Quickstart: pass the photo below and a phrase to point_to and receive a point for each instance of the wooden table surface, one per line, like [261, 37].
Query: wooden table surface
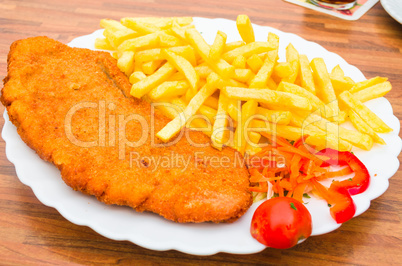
[31, 233]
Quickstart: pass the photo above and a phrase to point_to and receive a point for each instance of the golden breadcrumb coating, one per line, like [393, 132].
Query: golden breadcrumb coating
[73, 107]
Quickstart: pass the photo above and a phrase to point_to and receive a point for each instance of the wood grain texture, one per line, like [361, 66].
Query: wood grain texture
[32, 234]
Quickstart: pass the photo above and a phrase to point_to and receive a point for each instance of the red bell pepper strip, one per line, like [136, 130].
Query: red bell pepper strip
[338, 195]
[333, 157]
[342, 207]
[360, 181]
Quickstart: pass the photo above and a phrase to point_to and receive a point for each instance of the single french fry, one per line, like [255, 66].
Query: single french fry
[168, 89]
[174, 126]
[178, 31]
[148, 41]
[202, 48]
[239, 62]
[340, 118]
[268, 96]
[103, 44]
[271, 84]
[339, 81]
[218, 45]
[252, 143]
[292, 57]
[220, 132]
[166, 40]
[247, 50]
[232, 45]
[367, 83]
[331, 138]
[324, 89]
[316, 103]
[177, 77]
[254, 62]
[112, 25]
[148, 55]
[212, 102]
[364, 113]
[326, 141]
[175, 106]
[183, 21]
[208, 113]
[201, 125]
[245, 28]
[315, 138]
[262, 56]
[171, 109]
[337, 71]
[142, 27]
[187, 52]
[144, 86]
[184, 67]
[235, 83]
[358, 139]
[151, 66]
[252, 150]
[341, 84]
[363, 127]
[306, 76]
[264, 73]
[126, 62]
[190, 94]
[283, 70]
[247, 110]
[276, 117]
[243, 75]
[375, 91]
[156, 54]
[234, 109]
[136, 76]
[115, 38]
[214, 80]
[160, 22]
[272, 130]
[203, 71]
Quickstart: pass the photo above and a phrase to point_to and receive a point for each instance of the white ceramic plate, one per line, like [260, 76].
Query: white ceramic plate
[153, 232]
[393, 8]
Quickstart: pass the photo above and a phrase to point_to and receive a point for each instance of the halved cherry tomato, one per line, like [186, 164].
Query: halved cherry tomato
[281, 222]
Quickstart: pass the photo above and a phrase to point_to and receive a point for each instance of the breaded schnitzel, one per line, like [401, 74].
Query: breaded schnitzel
[73, 107]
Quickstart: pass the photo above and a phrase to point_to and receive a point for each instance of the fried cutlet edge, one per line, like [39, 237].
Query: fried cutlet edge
[119, 77]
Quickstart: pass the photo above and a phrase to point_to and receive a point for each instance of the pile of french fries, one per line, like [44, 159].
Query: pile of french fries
[239, 92]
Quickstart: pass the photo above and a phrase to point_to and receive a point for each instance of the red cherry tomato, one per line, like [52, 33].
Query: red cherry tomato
[281, 222]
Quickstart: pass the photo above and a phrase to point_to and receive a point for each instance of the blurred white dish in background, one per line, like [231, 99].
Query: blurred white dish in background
[393, 8]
